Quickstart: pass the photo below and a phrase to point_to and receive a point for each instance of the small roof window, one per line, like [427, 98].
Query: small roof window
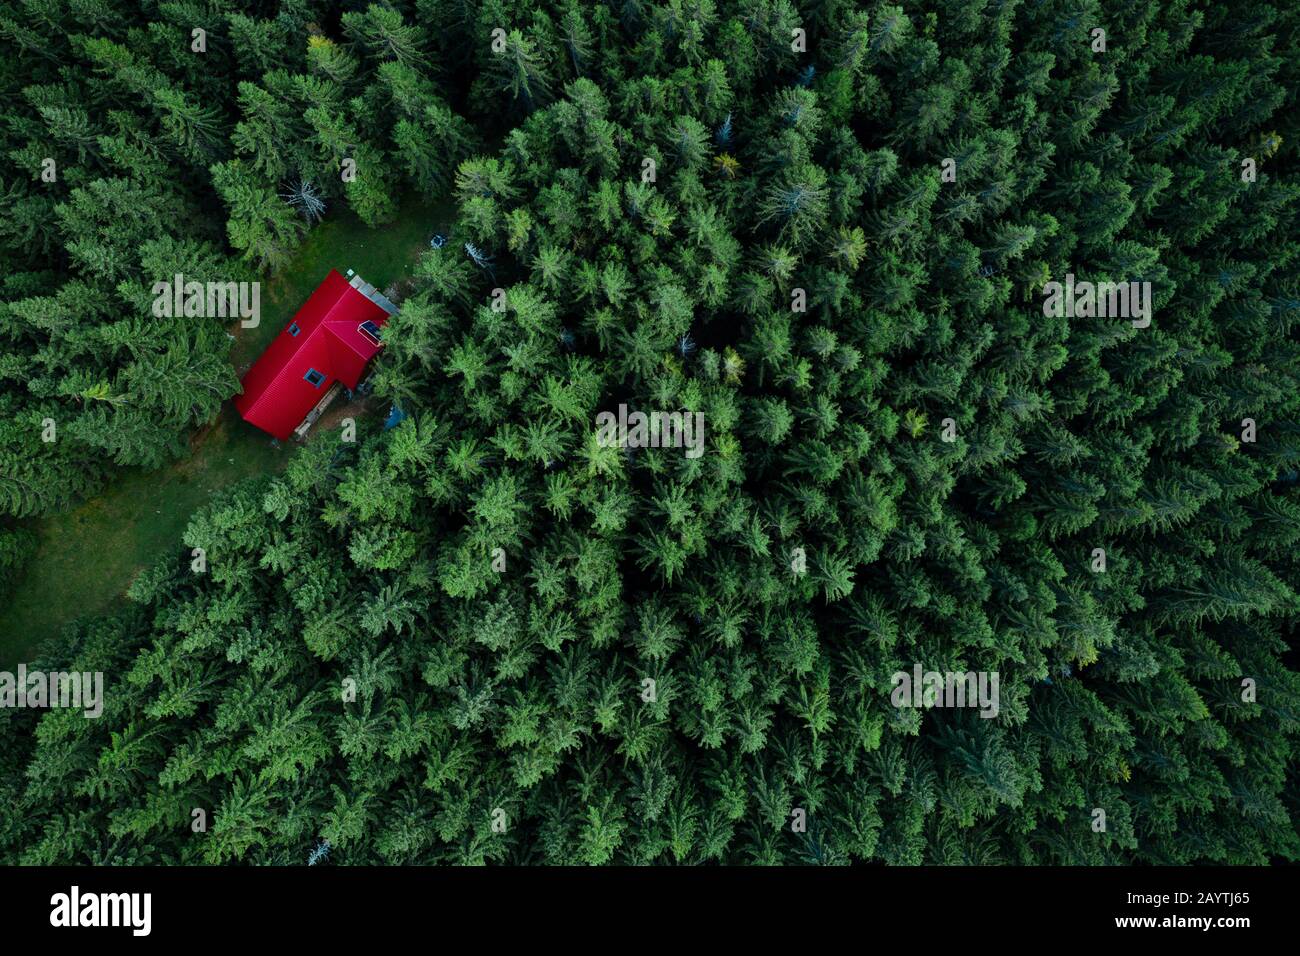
[293, 329]
[314, 377]
[370, 331]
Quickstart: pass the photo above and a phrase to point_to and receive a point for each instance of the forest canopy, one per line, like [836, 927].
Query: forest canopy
[825, 230]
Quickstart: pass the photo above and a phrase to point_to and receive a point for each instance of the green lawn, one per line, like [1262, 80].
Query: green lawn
[87, 557]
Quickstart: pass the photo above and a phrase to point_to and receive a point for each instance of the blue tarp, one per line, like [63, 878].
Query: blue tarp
[394, 417]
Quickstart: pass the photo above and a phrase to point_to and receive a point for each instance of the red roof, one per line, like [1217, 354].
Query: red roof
[277, 395]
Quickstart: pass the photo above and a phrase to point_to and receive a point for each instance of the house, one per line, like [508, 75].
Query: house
[330, 341]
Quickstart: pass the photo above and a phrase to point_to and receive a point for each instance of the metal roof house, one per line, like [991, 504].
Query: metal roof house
[330, 341]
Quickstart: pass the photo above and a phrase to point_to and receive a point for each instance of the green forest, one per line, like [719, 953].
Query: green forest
[826, 234]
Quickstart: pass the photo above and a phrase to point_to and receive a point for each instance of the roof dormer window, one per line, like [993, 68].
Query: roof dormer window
[370, 331]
